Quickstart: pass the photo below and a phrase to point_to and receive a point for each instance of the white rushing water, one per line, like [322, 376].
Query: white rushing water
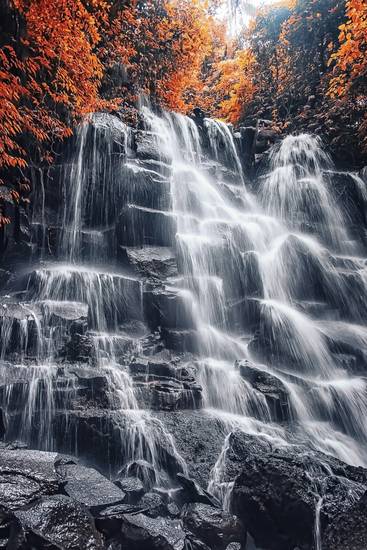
[290, 231]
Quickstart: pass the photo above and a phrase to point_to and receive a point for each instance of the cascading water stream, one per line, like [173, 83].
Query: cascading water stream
[286, 234]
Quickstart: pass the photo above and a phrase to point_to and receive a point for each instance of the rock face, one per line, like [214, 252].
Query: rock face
[186, 338]
[56, 520]
[276, 494]
[49, 500]
[215, 527]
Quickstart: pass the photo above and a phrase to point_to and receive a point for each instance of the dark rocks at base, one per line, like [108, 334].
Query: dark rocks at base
[348, 530]
[145, 533]
[142, 470]
[110, 519]
[199, 439]
[153, 505]
[26, 475]
[274, 391]
[132, 487]
[88, 486]
[217, 528]
[49, 501]
[277, 490]
[108, 433]
[54, 520]
[192, 492]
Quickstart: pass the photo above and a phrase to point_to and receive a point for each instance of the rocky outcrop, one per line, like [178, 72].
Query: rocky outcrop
[50, 500]
[277, 491]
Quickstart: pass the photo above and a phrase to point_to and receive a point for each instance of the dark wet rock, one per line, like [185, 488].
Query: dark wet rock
[344, 342]
[180, 340]
[215, 527]
[145, 187]
[55, 520]
[80, 348]
[193, 543]
[156, 262]
[247, 145]
[108, 433]
[153, 505]
[199, 439]
[192, 492]
[276, 492]
[168, 308]
[137, 226]
[164, 385]
[132, 487]
[110, 519]
[145, 533]
[274, 391]
[348, 190]
[109, 127]
[26, 475]
[173, 510]
[234, 546]
[16, 320]
[61, 312]
[88, 486]
[142, 470]
[348, 529]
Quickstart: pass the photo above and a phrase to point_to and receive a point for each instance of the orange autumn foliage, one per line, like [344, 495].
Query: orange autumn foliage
[49, 77]
[162, 45]
[351, 58]
[235, 85]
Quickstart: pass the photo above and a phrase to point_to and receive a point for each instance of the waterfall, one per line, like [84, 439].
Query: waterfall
[268, 278]
[287, 229]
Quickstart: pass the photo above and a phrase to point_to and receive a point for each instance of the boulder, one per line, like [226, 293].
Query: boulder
[198, 437]
[348, 529]
[132, 487]
[54, 520]
[144, 533]
[277, 491]
[110, 519]
[217, 528]
[89, 487]
[26, 475]
[153, 505]
[192, 492]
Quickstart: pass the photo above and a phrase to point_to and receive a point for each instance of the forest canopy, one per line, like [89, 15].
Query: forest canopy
[296, 63]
